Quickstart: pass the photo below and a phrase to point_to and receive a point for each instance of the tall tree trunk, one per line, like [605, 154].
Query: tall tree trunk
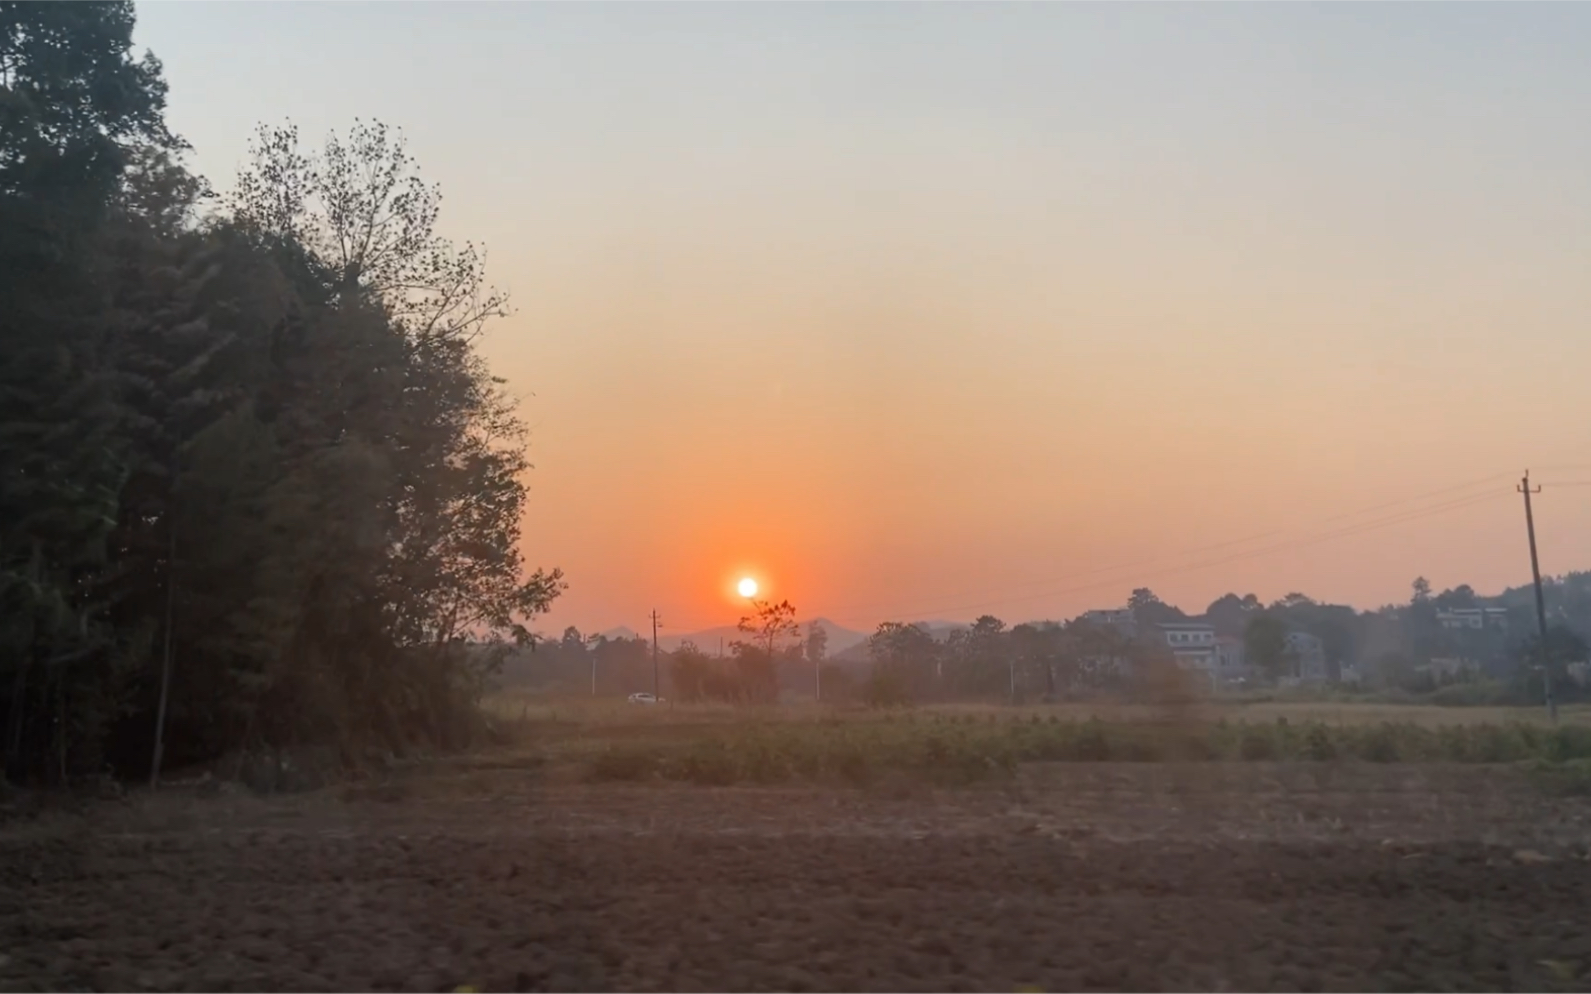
[165, 663]
[14, 722]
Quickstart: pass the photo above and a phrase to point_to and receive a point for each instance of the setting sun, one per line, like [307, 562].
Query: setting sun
[747, 587]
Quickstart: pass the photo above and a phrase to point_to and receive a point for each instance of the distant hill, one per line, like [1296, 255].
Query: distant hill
[621, 632]
[840, 639]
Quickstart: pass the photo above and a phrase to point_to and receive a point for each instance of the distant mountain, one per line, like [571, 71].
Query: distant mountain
[941, 630]
[840, 639]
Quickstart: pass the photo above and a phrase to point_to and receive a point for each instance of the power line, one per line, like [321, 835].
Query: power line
[1119, 567]
[1356, 529]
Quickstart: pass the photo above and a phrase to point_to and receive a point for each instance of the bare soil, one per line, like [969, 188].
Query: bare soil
[1099, 877]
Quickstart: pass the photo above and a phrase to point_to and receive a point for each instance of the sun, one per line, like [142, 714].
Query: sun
[747, 587]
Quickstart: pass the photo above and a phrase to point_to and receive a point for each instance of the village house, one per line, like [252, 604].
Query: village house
[1193, 645]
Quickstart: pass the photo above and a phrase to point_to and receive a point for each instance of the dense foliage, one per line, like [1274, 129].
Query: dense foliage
[254, 475]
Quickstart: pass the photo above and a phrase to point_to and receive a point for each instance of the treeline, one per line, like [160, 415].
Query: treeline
[1405, 647]
[1400, 647]
[769, 657]
[257, 487]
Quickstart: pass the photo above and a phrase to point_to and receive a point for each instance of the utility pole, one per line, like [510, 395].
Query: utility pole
[165, 661]
[1541, 604]
[654, 655]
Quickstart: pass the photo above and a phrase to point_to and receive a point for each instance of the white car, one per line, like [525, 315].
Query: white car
[645, 699]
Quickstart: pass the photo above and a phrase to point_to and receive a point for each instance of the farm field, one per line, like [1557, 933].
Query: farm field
[580, 710]
[531, 866]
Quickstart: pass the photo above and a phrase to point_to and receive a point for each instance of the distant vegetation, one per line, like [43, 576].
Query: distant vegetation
[1399, 652]
[255, 479]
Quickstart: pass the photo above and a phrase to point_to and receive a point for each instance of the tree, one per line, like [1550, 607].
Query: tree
[904, 657]
[816, 648]
[1265, 645]
[768, 624]
[266, 444]
[1229, 614]
[1046, 649]
[689, 672]
[1149, 610]
[756, 661]
[1421, 588]
[1141, 599]
[75, 111]
[817, 643]
[1563, 646]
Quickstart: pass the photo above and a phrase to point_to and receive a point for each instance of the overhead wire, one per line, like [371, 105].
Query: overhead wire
[1185, 553]
[1348, 531]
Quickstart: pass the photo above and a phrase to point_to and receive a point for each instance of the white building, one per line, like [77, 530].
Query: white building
[1231, 663]
[1308, 655]
[1473, 618]
[1193, 644]
[1119, 618]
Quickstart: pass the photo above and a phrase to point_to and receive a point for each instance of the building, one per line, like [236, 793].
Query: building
[1580, 674]
[1231, 665]
[1119, 618]
[1308, 655]
[1193, 644]
[1473, 618]
[1449, 670]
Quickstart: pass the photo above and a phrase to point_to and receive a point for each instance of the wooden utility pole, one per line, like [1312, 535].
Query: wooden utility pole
[1541, 604]
[165, 662]
[654, 655]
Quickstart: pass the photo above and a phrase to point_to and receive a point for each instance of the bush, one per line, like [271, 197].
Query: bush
[886, 690]
[1318, 744]
[1258, 744]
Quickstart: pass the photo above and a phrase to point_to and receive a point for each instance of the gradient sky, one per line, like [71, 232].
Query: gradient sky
[925, 311]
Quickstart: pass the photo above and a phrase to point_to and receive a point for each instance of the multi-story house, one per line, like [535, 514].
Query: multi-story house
[1193, 644]
[1473, 618]
[1308, 655]
[1231, 664]
[1119, 618]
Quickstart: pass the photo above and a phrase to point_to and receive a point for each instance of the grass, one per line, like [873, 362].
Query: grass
[960, 749]
[586, 713]
[611, 741]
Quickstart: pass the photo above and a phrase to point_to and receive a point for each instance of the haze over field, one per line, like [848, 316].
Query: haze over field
[923, 311]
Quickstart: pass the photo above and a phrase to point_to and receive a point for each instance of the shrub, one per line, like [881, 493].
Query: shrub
[1379, 744]
[886, 690]
[1257, 744]
[1318, 744]
[950, 750]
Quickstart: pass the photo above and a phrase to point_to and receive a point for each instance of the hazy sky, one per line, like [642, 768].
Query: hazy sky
[922, 311]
